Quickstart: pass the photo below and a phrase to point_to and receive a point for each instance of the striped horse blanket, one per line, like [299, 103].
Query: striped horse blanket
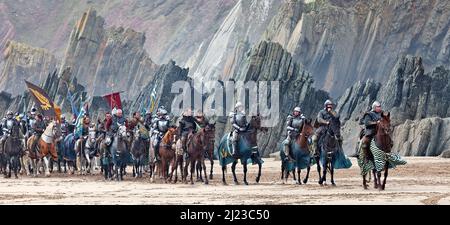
[380, 159]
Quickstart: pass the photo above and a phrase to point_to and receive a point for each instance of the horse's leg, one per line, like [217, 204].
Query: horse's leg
[325, 168]
[198, 171]
[16, 166]
[46, 166]
[375, 182]
[212, 165]
[186, 170]
[294, 177]
[386, 168]
[245, 173]
[299, 178]
[365, 181]
[224, 170]
[379, 180]
[308, 169]
[318, 170]
[259, 171]
[204, 169]
[332, 173]
[200, 168]
[233, 169]
[193, 166]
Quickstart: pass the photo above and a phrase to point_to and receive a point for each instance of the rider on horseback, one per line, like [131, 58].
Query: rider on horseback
[64, 126]
[31, 120]
[160, 126]
[239, 123]
[370, 121]
[7, 125]
[186, 129]
[323, 119]
[200, 119]
[37, 129]
[117, 120]
[294, 125]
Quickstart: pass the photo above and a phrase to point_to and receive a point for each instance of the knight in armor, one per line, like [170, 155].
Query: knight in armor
[294, 125]
[187, 127]
[160, 126]
[200, 119]
[64, 126]
[7, 125]
[31, 120]
[38, 129]
[117, 120]
[323, 119]
[370, 121]
[240, 124]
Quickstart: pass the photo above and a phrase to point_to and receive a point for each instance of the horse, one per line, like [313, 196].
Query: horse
[209, 154]
[379, 157]
[331, 154]
[301, 155]
[248, 150]
[106, 157]
[119, 151]
[196, 147]
[139, 150]
[46, 147]
[87, 150]
[12, 149]
[167, 152]
[69, 154]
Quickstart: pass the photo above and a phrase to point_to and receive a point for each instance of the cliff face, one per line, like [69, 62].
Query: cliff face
[23, 62]
[106, 60]
[413, 97]
[343, 41]
[268, 61]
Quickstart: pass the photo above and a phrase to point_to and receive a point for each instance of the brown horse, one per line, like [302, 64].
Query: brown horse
[167, 152]
[196, 147]
[301, 154]
[384, 142]
[46, 147]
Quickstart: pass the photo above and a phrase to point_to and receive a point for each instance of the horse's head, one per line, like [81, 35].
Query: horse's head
[384, 127]
[122, 131]
[334, 128]
[210, 130]
[308, 129]
[55, 128]
[255, 123]
[170, 135]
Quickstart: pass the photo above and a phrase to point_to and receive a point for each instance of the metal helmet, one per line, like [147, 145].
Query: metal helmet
[376, 104]
[162, 111]
[238, 105]
[327, 102]
[9, 113]
[297, 109]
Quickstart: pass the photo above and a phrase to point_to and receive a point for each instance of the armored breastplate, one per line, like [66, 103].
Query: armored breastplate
[296, 122]
[9, 124]
[240, 119]
[163, 125]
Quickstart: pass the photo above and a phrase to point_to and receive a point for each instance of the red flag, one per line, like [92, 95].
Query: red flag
[114, 100]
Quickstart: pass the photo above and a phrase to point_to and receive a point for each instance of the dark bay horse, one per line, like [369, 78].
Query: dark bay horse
[248, 147]
[69, 155]
[167, 152]
[119, 152]
[331, 154]
[380, 157]
[12, 149]
[301, 154]
[196, 147]
[139, 150]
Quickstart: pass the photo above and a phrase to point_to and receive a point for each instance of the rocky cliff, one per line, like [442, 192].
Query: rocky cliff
[418, 102]
[23, 62]
[107, 60]
[343, 41]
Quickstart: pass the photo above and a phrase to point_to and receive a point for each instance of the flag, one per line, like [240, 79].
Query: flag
[114, 100]
[79, 121]
[153, 99]
[58, 113]
[42, 100]
[71, 98]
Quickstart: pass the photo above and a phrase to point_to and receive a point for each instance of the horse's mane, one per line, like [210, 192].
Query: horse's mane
[167, 136]
[48, 129]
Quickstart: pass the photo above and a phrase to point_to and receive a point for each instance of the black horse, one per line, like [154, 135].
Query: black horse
[13, 148]
[331, 153]
[138, 152]
[119, 152]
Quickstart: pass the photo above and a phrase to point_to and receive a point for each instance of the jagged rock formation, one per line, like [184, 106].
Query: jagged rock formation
[343, 41]
[268, 61]
[161, 82]
[410, 95]
[23, 62]
[107, 60]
